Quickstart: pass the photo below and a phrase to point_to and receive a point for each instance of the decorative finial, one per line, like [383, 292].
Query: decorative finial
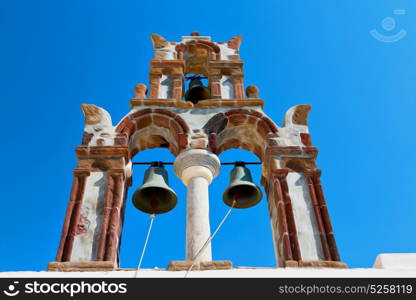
[195, 33]
[158, 41]
[252, 91]
[235, 42]
[95, 115]
[140, 91]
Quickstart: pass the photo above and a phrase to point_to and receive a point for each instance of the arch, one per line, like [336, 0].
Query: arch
[253, 127]
[153, 128]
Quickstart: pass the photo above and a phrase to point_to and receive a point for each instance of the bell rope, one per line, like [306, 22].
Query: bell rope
[211, 237]
[152, 217]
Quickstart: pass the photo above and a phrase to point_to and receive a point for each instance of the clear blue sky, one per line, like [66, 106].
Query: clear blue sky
[55, 55]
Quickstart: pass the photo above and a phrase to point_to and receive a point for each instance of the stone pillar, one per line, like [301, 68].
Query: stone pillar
[91, 232]
[111, 221]
[197, 168]
[238, 86]
[325, 215]
[70, 227]
[283, 190]
[215, 81]
[318, 214]
[177, 87]
[154, 85]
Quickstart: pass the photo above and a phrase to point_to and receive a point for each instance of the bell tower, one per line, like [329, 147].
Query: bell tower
[196, 107]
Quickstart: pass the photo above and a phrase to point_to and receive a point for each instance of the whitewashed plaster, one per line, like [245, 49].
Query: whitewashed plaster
[187, 38]
[165, 87]
[226, 51]
[227, 87]
[274, 224]
[396, 261]
[103, 130]
[240, 272]
[85, 244]
[306, 226]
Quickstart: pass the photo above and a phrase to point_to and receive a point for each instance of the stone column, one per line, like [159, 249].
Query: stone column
[112, 218]
[154, 85]
[318, 214]
[70, 227]
[197, 168]
[238, 86]
[215, 81]
[177, 80]
[280, 175]
[325, 215]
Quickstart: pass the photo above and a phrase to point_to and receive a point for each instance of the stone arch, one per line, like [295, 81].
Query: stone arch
[253, 127]
[153, 128]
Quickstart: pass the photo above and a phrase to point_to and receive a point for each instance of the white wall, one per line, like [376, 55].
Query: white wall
[227, 87]
[165, 87]
[85, 244]
[307, 229]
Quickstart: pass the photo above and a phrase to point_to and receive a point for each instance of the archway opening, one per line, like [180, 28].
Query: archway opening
[246, 237]
[167, 238]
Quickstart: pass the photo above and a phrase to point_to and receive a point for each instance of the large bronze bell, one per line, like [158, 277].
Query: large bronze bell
[155, 196]
[241, 188]
[197, 91]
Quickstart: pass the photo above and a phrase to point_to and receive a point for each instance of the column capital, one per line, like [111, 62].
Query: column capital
[313, 173]
[196, 162]
[280, 173]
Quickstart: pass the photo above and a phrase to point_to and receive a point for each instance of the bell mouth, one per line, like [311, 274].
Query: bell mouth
[245, 196]
[154, 200]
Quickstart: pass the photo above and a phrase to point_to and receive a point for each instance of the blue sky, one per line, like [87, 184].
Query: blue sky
[55, 55]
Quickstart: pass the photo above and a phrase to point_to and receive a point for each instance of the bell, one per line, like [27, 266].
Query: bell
[197, 91]
[241, 188]
[155, 196]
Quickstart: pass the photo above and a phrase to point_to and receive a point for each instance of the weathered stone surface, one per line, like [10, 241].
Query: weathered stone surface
[291, 264]
[197, 135]
[182, 265]
[197, 157]
[297, 115]
[235, 42]
[140, 91]
[298, 164]
[158, 41]
[95, 115]
[82, 266]
[305, 139]
[207, 103]
[322, 264]
[86, 138]
[200, 266]
[199, 144]
[252, 91]
[216, 265]
[216, 124]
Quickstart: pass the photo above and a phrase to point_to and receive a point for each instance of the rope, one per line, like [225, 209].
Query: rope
[210, 238]
[152, 217]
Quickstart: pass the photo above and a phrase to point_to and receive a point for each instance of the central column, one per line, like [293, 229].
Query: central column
[197, 168]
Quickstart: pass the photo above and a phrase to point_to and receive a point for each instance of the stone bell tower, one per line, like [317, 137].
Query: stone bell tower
[196, 125]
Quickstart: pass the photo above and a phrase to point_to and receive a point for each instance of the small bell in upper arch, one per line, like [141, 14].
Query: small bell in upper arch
[197, 91]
